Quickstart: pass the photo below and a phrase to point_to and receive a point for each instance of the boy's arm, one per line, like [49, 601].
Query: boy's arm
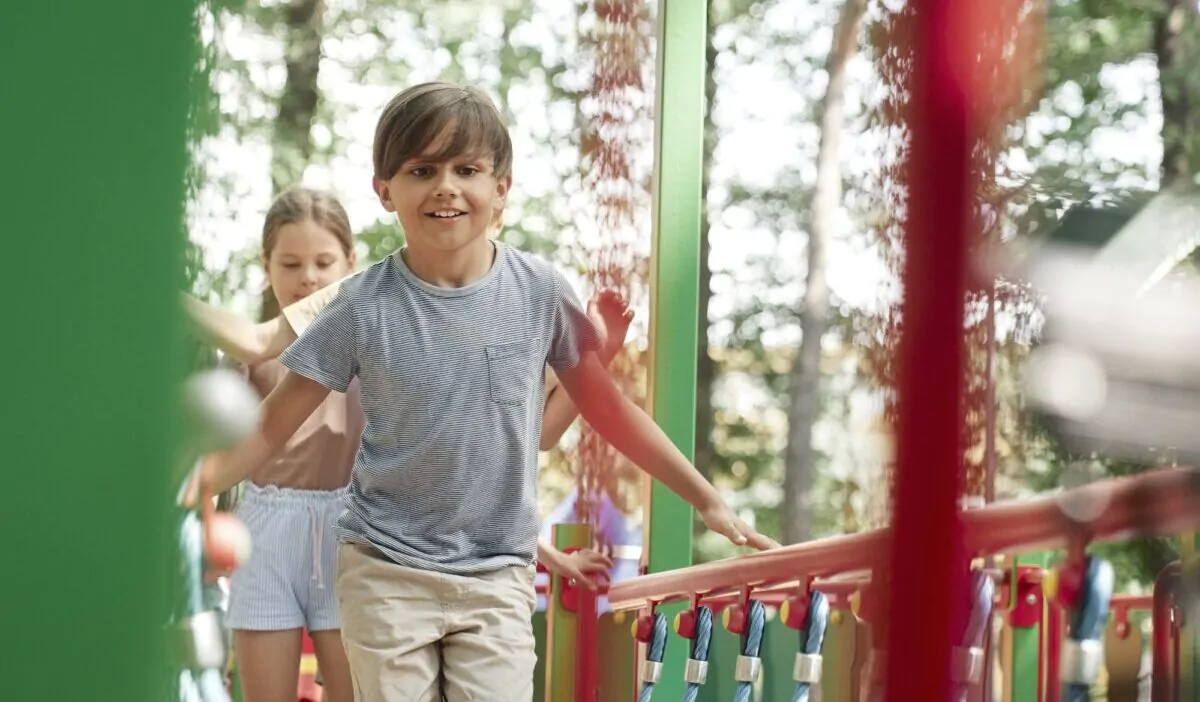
[635, 435]
[281, 414]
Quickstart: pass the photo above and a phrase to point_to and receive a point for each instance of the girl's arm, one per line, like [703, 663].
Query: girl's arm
[245, 341]
[580, 566]
[251, 343]
[611, 315]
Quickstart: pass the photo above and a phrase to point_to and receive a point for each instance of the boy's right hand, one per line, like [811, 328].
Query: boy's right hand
[720, 518]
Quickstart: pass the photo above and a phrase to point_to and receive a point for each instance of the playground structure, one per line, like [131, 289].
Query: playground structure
[129, 434]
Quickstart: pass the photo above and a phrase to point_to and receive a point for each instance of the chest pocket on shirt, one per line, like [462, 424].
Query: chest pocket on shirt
[512, 369]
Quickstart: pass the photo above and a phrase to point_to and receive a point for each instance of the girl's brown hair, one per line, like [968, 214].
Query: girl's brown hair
[303, 205]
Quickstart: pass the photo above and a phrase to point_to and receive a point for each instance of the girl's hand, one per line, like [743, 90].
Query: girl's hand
[582, 566]
[611, 314]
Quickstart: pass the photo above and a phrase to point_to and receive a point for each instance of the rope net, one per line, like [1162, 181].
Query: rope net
[614, 244]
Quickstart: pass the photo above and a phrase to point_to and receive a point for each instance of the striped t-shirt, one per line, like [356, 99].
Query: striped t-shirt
[451, 384]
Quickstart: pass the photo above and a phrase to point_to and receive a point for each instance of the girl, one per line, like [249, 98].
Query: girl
[290, 505]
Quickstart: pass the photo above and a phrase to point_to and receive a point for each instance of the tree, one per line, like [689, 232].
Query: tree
[804, 380]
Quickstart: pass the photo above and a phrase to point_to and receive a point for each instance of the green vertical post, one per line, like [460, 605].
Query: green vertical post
[675, 286]
[562, 626]
[539, 645]
[94, 142]
[1189, 637]
[1024, 674]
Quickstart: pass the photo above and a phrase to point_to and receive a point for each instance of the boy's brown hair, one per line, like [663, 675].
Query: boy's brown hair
[419, 115]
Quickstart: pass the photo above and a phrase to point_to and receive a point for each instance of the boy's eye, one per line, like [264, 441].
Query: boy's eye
[291, 265]
[420, 171]
[468, 170]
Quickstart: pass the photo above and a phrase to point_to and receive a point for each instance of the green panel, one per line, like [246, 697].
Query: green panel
[722, 655]
[1189, 636]
[1023, 678]
[679, 154]
[539, 645]
[94, 150]
[780, 646]
[618, 674]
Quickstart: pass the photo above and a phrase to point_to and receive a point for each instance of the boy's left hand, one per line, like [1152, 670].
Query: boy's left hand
[721, 519]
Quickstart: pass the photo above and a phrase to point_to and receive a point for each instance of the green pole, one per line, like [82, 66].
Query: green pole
[1024, 674]
[675, 286]
[94, 145]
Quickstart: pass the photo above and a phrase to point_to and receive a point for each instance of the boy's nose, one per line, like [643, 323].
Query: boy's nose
[445, 186]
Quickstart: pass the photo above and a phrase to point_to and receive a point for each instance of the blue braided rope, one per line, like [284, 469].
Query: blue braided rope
[982, 593]
[1090, 616]
[812, 638]
[195, 685]
[756, 622]
[658, 646]
[700, 646]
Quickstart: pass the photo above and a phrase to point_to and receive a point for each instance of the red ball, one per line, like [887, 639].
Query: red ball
[227, 542]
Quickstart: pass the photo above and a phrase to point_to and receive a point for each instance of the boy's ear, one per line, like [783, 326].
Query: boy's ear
[380, 187]
[502, 187]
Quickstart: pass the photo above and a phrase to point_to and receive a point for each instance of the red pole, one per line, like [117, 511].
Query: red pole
[586, 649]
[1052, 652]
[928, 583]
[1163, 673]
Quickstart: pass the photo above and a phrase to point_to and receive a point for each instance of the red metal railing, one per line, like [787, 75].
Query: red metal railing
[1159, 502]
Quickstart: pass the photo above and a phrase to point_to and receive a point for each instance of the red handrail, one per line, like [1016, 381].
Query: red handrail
[1158, 502]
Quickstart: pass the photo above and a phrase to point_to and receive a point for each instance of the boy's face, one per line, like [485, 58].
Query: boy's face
[444, 204]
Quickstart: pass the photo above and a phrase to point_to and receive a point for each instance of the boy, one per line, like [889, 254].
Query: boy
[448, 338]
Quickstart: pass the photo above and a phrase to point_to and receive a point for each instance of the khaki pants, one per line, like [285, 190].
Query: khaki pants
[418, 636]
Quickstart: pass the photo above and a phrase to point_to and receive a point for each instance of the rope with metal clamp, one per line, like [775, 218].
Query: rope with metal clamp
[1083, 652]
[749, 665]
[967, 666]
[807, 670]
[652, 666]
[198, 631]
[695, 673]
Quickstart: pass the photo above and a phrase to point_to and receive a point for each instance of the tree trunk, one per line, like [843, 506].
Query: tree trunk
[705, 368]
[804, 386]
[291, 143]
[1175, 47]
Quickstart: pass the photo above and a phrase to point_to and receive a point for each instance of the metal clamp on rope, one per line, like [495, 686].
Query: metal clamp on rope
[695, 672]
[968, 665]
[807, 668]
[200, 642]
[747, 668]
[651, 672]
[1081, 661]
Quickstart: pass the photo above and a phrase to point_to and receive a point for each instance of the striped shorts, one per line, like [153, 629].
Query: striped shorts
[288, 581]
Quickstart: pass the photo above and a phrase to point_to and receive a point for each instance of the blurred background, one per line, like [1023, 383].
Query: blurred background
[802, 212]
